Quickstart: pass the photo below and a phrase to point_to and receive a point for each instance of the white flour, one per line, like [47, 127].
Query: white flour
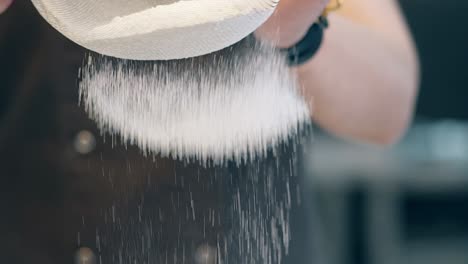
[233, 104]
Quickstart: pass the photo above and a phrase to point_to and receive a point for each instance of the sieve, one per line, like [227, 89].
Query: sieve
[155, 29]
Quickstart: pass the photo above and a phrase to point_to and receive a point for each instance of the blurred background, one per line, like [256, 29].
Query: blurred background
[407, 204]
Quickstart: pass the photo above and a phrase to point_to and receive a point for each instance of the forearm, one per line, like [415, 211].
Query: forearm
[361, 84]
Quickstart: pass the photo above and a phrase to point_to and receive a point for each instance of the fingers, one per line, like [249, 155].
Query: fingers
[4, 4]
[291, 21]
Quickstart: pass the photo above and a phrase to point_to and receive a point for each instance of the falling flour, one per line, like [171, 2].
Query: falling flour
[234, 104]
[238, 104]
[220, 215]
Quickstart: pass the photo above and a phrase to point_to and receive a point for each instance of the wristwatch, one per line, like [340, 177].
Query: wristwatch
[306, 48]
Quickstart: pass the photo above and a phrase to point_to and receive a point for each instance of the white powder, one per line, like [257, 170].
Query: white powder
[240, 103]
[233, 104]
[236, 214]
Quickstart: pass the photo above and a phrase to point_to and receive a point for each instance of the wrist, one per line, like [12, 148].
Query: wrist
[283, 36]
[305, 49]
[291, 21]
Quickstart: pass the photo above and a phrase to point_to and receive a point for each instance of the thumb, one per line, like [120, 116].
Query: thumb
[4, 4]
[290, 21]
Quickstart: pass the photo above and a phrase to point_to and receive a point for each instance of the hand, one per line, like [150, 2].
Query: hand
[291, 21]
[4, 4]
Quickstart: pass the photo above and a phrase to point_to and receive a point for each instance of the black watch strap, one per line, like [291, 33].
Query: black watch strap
[305, 49]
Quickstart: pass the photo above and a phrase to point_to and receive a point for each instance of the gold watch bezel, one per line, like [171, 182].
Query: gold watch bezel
[333, 6]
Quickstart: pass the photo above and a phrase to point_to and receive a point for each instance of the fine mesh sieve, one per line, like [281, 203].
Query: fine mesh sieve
[155, 29]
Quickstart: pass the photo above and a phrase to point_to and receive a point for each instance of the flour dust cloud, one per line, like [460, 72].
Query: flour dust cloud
[230, 105]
